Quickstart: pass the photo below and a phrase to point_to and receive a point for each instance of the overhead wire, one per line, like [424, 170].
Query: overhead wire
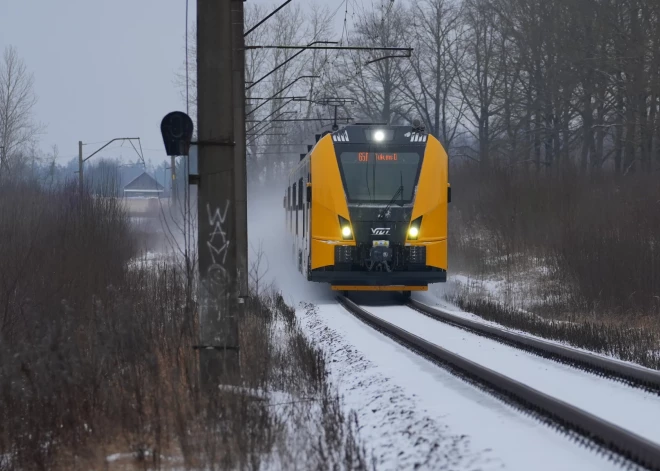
[332, 16]
[323, 68]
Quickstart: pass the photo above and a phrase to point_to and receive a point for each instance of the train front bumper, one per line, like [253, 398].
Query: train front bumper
[374, 279]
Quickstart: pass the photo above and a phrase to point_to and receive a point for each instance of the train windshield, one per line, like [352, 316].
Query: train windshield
[375, 177]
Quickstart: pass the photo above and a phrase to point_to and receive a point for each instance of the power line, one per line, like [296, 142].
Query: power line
[344, 29]
[336, 48]
[267, 17]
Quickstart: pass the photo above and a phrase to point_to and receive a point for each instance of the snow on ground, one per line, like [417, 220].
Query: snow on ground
[416, 415]
[148, 258]
[413, 414]
[515, 294]
[630, 408]
[522, 289]
[435, 297]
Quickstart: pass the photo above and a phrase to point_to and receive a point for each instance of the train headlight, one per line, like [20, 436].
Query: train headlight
[379, 136]
[413, 230]
[345, 228]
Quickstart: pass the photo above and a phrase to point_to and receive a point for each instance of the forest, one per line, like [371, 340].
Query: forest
[526, 83]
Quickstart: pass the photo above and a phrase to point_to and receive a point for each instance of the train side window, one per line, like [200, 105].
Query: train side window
[300, 193]
[295, 206]
[288, 199]
[309, 188]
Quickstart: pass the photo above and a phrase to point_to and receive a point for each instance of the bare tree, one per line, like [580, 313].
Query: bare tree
[18, 128]
[434, 31]
[186, 79]
[477, 59]
[317, 62]
[376, 85]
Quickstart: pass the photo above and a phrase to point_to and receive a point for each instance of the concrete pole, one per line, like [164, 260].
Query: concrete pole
[80, 167]
[240, 161]
[217, 205]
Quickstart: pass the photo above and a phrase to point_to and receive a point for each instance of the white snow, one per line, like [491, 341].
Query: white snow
[630, 408]
[435, 299]
[411, 411]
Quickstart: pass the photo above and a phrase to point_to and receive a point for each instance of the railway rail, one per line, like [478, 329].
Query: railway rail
[632, 374]
[609, 436]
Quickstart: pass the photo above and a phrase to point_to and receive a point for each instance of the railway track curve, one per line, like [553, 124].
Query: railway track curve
[607, 435]
[632, 374]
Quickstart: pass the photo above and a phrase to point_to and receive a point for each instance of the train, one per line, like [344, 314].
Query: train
[366, 209]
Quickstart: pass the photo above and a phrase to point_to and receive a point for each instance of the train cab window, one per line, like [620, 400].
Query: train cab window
[378, 176]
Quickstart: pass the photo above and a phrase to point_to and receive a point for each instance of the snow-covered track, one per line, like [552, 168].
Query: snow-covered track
[632, 374]
[611, 437]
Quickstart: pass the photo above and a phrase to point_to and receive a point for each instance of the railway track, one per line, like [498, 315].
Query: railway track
[607, 435]
[632, 374]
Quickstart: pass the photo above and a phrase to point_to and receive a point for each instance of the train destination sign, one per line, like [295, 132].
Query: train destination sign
[378, 156]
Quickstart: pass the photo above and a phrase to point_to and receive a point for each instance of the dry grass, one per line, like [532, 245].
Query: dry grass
[96, 357]
[634, 343]
[595, 238]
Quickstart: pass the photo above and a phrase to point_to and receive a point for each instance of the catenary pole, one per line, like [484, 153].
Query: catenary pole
[217, 190]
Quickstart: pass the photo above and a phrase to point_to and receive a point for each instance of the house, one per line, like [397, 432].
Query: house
[144, 186]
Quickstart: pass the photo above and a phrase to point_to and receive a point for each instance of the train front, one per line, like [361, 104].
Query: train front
[390, 213]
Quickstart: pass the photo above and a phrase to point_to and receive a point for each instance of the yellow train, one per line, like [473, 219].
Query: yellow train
[366, 209]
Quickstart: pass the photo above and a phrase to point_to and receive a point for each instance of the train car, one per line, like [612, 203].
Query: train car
[366, 209]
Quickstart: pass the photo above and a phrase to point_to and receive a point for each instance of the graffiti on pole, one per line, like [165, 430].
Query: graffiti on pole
[217, 243]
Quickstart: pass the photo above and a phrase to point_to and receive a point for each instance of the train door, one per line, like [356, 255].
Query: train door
[308, 206]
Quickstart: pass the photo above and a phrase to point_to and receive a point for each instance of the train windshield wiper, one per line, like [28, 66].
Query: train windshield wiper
[386, 209]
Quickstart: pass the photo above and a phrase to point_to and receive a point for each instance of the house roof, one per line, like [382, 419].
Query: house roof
[143, 182]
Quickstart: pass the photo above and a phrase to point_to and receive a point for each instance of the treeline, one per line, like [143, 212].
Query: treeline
[530, 83]
[543, 106]
[102, 176]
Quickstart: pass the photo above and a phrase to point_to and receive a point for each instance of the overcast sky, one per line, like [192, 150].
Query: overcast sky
[102, 69]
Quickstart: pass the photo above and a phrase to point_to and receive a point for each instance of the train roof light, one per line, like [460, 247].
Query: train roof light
[379, 135]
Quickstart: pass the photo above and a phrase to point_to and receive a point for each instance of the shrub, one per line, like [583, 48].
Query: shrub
[96, 356]
[598, 235]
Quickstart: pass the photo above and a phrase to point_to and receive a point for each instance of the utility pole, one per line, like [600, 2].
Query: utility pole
[82, 160]
[218, 239]
[80, 167]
